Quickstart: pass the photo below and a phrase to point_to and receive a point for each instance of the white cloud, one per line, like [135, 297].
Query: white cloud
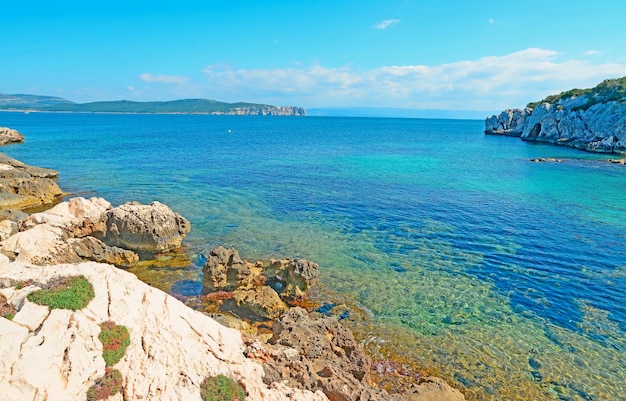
[488, 83]
[164, 79]
[492, 21]
[133, 90]
[592, 52]
[386, 23]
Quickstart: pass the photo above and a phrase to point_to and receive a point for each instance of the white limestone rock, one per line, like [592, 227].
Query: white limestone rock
[172, 347]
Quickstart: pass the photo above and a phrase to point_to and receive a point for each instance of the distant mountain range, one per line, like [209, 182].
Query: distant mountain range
[22, 102]
[28, 103]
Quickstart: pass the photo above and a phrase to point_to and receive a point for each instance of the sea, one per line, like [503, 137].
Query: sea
[449, 248]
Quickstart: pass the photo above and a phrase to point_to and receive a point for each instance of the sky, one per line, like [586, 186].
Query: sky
[439, 54]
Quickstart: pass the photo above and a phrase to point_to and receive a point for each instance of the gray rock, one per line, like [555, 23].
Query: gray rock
[510, 122]
[150, 228]
[600, 128]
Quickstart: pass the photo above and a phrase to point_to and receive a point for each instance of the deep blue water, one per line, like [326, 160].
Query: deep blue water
[440, 231]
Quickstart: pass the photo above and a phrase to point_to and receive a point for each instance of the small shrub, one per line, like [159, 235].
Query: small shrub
[115, 339]
[221, 388]
[106, 386]
[72, 293]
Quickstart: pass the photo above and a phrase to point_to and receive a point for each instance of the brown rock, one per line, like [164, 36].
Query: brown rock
[319, 354]
[255, 304]
[91, 248]
[8, 135]
[292, 277]
[224, 270]
[23, 187]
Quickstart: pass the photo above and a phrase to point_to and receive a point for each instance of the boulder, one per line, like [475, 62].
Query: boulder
[57, 356]
[43, 245]
[291, 277]
[8, 135]
[24, 187]
[255, 304]
[319, 354]
[91, 248]
[224, 270]
[149, 228]
[78, 216]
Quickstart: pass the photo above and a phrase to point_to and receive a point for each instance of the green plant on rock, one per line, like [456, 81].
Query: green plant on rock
[221, 388]
[115, 339]
[106, 386]
[73, 293]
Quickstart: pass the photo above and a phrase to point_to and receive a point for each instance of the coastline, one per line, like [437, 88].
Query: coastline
[84, 217]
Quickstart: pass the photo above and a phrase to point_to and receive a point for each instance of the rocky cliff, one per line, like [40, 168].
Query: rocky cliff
[589, 119]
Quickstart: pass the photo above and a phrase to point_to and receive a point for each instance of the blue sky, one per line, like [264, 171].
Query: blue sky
[473, 55]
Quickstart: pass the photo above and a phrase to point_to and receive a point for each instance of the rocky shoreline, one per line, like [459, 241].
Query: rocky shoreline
[593, 119]
[285, 351]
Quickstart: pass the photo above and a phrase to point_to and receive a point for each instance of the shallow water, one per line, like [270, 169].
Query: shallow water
[505, 276]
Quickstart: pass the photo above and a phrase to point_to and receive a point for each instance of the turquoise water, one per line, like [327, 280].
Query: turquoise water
[505, 276]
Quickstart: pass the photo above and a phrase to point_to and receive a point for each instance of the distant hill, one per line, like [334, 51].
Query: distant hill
[184, 106]
[21, 102]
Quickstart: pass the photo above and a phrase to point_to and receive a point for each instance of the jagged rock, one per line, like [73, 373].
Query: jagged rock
[510, 122]
[150, 228]
[172, 347]
[23, 186]
[8, 135]
[257, 304]
[291, 277]
[592, 120]
[91, 248]
[224, 270]
[319, 354]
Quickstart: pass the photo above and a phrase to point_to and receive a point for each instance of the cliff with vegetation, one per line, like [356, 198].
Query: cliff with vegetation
[590, 119]
[183, 106]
